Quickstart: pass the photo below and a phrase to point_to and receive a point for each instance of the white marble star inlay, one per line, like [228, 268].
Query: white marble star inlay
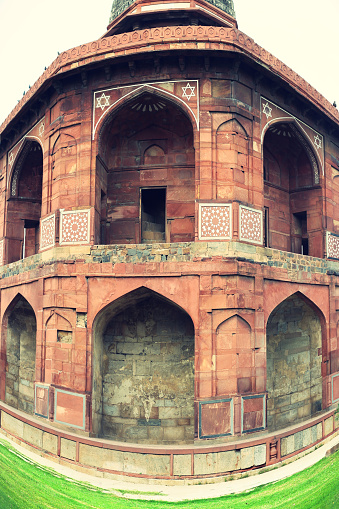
[317, 141]
[188, 91]
[267, 110]
[103, 101]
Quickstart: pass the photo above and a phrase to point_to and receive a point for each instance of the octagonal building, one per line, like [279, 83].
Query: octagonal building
[169, 250]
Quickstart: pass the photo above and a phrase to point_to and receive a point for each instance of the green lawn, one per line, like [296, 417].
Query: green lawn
[26, 485]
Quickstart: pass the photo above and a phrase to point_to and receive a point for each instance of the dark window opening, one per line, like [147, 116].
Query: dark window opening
[153, 215]
[30, 244]
[304, 246]
[299, 235]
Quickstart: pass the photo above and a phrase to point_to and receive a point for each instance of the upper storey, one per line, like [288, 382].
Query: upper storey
[128, 15]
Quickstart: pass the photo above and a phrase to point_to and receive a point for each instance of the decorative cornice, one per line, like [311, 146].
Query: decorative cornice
[162, 39]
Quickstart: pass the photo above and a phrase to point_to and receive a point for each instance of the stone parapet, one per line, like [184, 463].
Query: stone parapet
[291, 264]
[175, 465]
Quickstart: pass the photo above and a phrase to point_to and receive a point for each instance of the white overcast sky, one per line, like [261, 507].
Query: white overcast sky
[301, 33]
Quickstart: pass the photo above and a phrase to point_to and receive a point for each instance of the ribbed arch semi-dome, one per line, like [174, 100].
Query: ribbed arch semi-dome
[120, 5]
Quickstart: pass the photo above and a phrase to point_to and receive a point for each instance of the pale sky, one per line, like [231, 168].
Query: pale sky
[301, 33]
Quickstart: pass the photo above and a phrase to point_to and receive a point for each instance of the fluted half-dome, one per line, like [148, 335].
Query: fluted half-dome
[120, 5]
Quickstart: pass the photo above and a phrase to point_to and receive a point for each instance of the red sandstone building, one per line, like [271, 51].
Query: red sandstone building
[170, 251]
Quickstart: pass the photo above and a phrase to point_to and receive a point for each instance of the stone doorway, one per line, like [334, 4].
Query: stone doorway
[294, 381]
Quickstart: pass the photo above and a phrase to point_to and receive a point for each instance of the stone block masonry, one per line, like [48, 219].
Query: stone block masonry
[148, 375]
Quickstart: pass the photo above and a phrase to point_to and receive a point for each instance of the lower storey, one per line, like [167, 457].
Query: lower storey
[187, 464]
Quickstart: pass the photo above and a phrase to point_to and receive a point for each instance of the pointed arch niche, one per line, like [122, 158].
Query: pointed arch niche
[234, 365]
[143, 371]
[232, 174]
[146, 173]
[63, 187]
[24, 203]
[294, 346]
[292, 193]
[19, 329]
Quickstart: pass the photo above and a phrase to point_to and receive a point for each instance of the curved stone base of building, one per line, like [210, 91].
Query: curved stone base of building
[212, 461]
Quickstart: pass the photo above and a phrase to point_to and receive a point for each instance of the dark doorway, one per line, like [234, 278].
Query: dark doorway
[299, 237]
[30, 245]
[153, 215]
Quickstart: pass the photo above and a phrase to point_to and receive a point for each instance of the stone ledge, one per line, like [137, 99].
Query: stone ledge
[168, 464]
[291, 264]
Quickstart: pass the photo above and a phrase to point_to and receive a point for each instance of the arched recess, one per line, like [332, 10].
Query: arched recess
[58, 328]
[232, 173]
[146, 173]
[19, 344]
[234, 363]
[294, 357]
[64, 172]
[143, 371]
[24, 203]
[292, 193]
[154, 155]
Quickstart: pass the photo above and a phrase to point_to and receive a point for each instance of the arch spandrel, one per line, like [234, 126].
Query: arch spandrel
[10, 299]
[137, 293]
[315, 298]
[312, 140]
[108, 102]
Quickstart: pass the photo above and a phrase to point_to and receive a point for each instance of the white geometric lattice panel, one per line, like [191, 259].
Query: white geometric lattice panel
[332, 245]
[251, 227]
[74, 227]
[215, 221]
[47, 232]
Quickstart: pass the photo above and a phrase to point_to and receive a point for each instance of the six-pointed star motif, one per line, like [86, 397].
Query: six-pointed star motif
[267, 110]
[188, 91]
[103, 101]
[317, 141]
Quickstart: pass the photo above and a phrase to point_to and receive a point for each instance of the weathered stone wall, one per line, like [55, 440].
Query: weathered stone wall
[21, 347]
[294, 381]
[148, 375]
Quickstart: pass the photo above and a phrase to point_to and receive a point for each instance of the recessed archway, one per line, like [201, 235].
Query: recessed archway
[24, 204]
[294, 346]
[292, 193]
[20, 339]
[146, 146]
[143, 371]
